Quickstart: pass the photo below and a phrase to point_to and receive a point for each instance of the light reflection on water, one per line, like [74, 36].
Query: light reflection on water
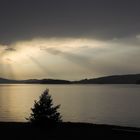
[108, 104]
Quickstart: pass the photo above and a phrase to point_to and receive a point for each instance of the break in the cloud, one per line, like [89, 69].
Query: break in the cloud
[70, 58]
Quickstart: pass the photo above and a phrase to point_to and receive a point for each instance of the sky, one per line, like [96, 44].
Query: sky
[69, 39]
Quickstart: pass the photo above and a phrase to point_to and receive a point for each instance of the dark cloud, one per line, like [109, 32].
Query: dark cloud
[104, 19]
[10, 49]
[51, 50]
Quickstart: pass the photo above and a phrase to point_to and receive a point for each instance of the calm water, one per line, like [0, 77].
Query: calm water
[108, 104]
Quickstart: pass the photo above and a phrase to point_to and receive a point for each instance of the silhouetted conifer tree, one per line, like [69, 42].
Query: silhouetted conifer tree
[43, 112]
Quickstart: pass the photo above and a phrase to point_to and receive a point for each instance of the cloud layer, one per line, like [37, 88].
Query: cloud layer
[101, 19]
[69, 39]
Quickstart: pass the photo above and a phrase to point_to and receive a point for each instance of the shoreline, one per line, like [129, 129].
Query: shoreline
[66, 129]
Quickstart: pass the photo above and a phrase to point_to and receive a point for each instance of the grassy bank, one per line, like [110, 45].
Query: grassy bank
[65, 130]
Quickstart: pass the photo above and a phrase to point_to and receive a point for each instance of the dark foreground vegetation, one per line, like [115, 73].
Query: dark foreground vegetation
[12, 130]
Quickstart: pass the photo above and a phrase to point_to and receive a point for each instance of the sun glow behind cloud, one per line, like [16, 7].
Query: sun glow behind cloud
[41, 56]
[67, 58]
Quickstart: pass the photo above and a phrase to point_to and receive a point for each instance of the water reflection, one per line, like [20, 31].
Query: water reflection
[113, 104]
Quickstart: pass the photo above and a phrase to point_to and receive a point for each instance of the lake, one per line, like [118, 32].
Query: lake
[102, 104]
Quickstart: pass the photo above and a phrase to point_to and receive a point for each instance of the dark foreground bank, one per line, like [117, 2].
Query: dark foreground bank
[65, 130]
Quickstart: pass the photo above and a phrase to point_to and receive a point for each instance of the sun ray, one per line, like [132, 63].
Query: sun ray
[41, 66]
[8, 71]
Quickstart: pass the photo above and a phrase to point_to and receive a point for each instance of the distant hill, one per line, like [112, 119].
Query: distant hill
[46, 81]
[138, 82]
[5, 81]
[114, 79]
[34, 81]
